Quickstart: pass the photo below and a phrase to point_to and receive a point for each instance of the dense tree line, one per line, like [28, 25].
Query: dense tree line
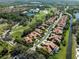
[11, 16]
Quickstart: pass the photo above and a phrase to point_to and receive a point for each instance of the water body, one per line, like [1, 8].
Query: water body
[30, 14]
[77, 15]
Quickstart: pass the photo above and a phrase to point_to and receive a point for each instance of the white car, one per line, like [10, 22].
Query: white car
[77, 53]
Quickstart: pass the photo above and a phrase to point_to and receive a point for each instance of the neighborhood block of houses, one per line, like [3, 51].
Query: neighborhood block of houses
[49, 45]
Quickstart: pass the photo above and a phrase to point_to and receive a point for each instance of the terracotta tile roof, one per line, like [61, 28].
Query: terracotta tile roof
[58, 31]
[60, 28]
[41, 27]
[55, 37]
[63, 21]
[28, 40]
[34, 34]
[38, 30]
[45, 25]
[51, 20]
[49, 46]
[31, 36]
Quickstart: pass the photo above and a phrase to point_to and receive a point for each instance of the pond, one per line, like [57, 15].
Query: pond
[30, 14]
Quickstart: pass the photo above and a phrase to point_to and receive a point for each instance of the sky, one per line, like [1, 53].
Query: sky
[32, 0]
[6, 0]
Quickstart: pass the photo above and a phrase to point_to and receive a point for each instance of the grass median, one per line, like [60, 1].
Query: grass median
[73, 48]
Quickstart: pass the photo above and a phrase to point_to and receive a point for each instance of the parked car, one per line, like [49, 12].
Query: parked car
[77, 52]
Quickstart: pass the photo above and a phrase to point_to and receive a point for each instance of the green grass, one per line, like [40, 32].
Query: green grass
[3, 27]
[1, 48]
[73, 48]
[6, 57]
[4, 45]
[74, 20]
[73, 45]
[17, 32]
[62, 53]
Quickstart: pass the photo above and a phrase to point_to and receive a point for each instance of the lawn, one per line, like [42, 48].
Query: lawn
[3, 27]
[1, 48]
[73, 48]
[74, 20]
[18, 31]
[6, 57]
[62, 53]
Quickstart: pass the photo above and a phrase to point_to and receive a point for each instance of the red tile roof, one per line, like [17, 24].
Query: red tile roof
[49, 46]
[28, 40]
[51, 20]
[58, 31]
[38, 30]
[56, 37]
[63, 21]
